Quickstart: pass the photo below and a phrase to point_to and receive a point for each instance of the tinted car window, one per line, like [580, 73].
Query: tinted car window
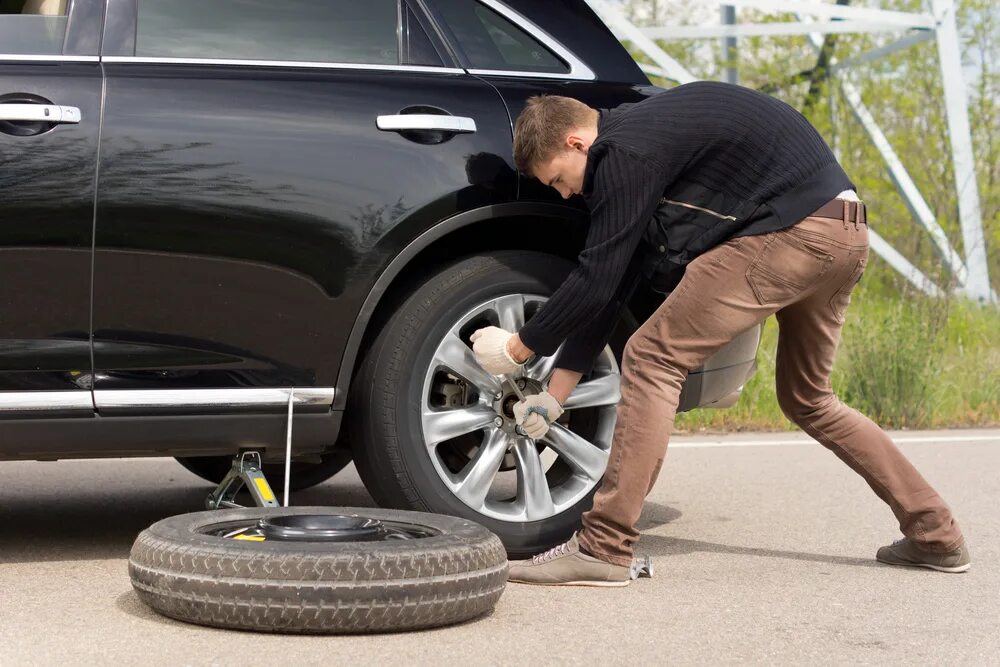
[336, 31]
[418, 47]
[32, 27]
[490, 41]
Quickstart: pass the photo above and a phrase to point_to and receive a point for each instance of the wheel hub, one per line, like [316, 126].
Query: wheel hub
[508, 398]
[321, 528]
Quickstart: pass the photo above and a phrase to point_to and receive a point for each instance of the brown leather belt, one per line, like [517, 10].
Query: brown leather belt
[841, 209]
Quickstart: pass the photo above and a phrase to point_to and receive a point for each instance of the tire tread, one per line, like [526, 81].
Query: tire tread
[350, 588]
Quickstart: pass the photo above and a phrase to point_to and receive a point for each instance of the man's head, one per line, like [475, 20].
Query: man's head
[551, 139]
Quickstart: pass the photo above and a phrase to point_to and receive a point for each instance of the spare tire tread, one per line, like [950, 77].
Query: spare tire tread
[336, 587]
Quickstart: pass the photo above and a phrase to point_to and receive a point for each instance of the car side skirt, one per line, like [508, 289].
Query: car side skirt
[164, 435]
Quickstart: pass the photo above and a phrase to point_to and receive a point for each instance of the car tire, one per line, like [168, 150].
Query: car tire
[385, 400]
[303, 474]
[183, 567]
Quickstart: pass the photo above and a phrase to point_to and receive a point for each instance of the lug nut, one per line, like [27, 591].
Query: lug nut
[499, 394]
[498, 422]
[520, 384]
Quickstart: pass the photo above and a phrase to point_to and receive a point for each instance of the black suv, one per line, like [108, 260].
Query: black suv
[209, 207]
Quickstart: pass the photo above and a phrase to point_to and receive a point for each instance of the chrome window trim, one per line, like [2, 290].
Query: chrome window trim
[281, 63]
[240, 398]
[45, 401]
[8, 57]
[577, 68]
[534, 75]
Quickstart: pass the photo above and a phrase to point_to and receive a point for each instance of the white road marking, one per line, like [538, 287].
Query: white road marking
[681, 441]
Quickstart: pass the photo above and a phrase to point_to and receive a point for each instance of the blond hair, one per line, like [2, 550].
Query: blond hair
[542, 127]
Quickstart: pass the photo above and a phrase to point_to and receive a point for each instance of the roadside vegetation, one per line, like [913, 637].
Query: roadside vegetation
[906, 360]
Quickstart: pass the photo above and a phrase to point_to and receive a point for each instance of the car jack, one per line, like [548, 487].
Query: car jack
[246, 470]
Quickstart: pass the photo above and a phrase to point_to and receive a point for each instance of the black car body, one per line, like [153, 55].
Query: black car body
[230, 201]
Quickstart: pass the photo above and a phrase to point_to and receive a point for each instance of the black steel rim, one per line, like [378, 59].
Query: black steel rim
[318, 528]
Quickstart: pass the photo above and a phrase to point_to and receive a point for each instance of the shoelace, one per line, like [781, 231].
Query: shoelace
[559, 550]
[899, 541]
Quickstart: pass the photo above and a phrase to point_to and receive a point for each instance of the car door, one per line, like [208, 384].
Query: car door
[261, 163]
[50, 110]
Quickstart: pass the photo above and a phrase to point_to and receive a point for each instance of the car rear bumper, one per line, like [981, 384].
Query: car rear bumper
[719, 382]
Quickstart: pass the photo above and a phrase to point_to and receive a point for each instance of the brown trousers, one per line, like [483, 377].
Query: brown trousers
[804, 275]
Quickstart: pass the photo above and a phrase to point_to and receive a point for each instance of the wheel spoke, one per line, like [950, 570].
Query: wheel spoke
[476, 478]
[510, 310]
[541, 368]
[455, 355]
[595, 393]
[441, 425]
[579, 453]
[532, 486]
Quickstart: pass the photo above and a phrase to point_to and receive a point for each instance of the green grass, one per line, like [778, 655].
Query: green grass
[905, 361]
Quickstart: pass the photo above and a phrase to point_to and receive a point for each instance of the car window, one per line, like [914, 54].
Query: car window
[334, 31]
[32, 27]
[490, 41]
[417, 45]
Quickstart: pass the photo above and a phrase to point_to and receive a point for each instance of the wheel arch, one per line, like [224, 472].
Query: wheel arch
[512, 226]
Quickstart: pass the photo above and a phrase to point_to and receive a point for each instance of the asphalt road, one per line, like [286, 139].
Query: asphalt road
[763, 549]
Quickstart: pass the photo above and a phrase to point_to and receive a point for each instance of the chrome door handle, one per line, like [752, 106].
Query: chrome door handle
[426, 121]
[46, 113]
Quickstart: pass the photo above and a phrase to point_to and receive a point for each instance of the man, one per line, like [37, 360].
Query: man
[737, 192]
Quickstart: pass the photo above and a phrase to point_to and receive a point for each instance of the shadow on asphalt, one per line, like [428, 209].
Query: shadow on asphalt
[660, 545]
[46, 527]
[129, 603]
[655, 514]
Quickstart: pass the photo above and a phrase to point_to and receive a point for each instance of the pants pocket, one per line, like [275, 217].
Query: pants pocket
[841, 299]
[786, 266]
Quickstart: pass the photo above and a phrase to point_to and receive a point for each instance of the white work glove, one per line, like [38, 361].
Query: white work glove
[536, 413]
[490, 348]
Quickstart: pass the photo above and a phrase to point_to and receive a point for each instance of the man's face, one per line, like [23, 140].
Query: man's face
[564, 172]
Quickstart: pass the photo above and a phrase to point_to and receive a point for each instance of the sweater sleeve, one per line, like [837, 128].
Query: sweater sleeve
[624, 193]
[583, 346]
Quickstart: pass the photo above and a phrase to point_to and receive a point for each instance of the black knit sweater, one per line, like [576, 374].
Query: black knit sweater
[734, 153]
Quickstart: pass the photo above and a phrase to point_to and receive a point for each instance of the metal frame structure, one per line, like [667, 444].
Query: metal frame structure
[970, 274]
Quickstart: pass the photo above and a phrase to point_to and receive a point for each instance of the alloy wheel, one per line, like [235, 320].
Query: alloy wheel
[469, 427]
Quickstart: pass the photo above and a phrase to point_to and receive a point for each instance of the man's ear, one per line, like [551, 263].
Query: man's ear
[574, 142]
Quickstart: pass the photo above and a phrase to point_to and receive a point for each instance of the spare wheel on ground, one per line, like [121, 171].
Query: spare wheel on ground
[318, 569]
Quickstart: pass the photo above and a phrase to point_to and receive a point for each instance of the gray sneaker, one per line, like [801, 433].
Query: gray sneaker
[905, 552]
[566, 565]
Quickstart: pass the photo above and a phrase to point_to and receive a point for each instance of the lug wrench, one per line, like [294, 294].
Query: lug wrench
[520, 395]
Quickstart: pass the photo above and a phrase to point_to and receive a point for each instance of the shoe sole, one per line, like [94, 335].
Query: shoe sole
[951, 570]
[595, 584]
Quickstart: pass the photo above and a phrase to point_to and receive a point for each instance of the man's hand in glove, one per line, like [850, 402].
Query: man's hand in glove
[491, 346]
[536, 413]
